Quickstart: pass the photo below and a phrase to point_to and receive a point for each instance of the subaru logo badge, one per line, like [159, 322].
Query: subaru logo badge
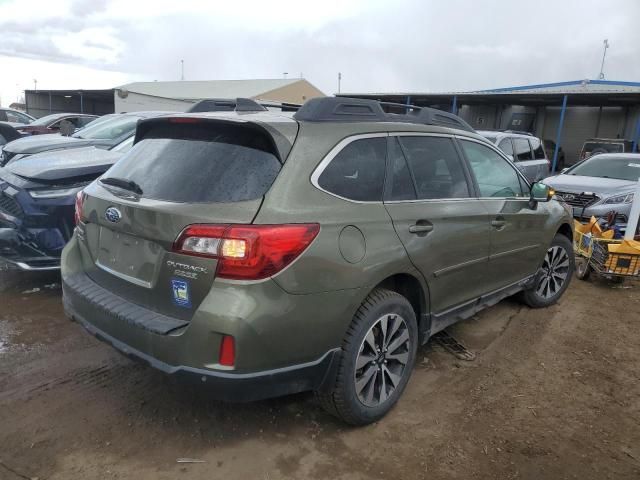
[112, 214]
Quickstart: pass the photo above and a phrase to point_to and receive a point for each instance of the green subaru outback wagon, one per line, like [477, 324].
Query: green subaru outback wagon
[262, 254]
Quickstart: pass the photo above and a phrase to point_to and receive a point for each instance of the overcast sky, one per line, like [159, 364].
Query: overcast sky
[400, 45]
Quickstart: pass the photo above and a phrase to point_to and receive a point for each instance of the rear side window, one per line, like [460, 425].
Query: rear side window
[401, 186]
[357, 171]
[436, 167]
[506, 147]
[201, 163]
[538, 148]
[522, 149]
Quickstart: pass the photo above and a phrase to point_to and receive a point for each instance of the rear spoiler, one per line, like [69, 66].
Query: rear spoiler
[281, 144]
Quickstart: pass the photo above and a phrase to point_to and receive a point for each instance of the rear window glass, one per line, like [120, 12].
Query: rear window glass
[602, 147]
[357, 172]
[203, 163]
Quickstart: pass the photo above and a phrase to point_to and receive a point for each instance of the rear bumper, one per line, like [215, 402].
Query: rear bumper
[231, 387]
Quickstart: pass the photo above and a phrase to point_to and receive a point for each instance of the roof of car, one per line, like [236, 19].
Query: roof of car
[502, 134]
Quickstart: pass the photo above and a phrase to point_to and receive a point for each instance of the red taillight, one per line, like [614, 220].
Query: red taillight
[79, 201]
[247, 252]
[227, 356]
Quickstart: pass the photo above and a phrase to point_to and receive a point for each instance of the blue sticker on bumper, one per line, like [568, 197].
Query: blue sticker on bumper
[181, 295]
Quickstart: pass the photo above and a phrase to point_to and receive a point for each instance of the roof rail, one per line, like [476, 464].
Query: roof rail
[519, 132]
[226, 105]
[341, 109]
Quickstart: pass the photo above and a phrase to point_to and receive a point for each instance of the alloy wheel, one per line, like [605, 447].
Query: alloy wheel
[553, 273]
[382, 360]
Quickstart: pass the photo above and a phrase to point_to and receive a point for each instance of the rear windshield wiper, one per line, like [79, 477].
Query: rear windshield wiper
[122, 183]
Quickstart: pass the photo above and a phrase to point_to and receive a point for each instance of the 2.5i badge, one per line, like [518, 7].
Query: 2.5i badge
[181, 295]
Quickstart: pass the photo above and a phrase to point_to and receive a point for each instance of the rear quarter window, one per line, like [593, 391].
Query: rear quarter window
[357, 171]
[201, 163]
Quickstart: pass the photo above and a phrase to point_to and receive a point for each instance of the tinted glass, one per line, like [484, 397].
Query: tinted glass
[495, 176]
[436, 167]
[357, 172]
[601, 147]
[506, 146]
[402, 187]
[44, 121]
[522, 149]
[110, 129]
[608, 167]
[537, 147]
[200, 163]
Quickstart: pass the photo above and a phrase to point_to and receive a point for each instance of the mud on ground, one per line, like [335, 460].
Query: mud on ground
[552, 394]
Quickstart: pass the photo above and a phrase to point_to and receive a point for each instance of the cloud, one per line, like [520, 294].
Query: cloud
[405, 45]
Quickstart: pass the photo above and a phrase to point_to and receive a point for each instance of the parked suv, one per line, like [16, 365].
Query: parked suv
[526, 151]
[265, 255]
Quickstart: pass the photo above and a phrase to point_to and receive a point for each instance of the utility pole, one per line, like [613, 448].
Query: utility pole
[339, 81]
[35, 84]
[181, 69]
[604, 54]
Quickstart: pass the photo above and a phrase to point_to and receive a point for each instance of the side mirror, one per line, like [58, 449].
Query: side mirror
[541, 192]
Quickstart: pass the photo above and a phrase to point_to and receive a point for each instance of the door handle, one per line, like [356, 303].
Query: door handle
[420, 228]
[498, 223]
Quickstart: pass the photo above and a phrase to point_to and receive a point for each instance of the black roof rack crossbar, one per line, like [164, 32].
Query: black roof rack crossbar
[226, 105]
[342, 109]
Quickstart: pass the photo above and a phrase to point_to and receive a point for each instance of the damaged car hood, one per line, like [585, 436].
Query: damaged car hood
[41, 143]
[58, 165]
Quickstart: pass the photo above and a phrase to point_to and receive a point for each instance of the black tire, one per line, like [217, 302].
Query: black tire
[342, 398]
[617, 279]
[583, 269]
[543, 294]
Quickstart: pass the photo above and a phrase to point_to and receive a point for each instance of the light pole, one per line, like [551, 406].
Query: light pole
[339, 81]
[284, 74]
[604, 54]
[181, 69]
[35, 84]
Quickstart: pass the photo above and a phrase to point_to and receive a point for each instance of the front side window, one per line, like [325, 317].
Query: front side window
[357, 171]
[495, 176]
[522, 149]
[537, 148]
[436, 167]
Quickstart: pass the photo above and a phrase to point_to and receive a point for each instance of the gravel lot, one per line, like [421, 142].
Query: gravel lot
[551, 394]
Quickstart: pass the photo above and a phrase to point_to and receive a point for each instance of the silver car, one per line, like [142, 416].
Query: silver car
[600, 184]
[526, 151]
[15, 118]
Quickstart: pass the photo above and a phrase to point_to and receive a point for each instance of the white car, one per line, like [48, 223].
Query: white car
[15, 118]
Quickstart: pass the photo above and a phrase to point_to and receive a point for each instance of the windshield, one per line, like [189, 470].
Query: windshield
[111, 128]
[44, 121]
[620, 168]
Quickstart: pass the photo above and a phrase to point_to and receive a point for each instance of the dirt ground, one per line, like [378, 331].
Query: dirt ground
[552, 394]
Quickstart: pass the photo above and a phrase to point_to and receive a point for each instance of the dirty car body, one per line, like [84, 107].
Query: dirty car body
[278, 254]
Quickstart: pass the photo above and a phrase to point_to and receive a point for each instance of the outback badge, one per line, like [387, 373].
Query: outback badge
[112, 214]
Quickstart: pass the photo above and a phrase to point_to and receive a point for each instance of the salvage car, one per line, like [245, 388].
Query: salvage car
[595, 146]
[105, 132]
[15, 118]
[600, 184]
[526, 151]
[37, 196]
[264, 255]
[52, 123]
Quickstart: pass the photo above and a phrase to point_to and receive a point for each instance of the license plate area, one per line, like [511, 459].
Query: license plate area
[133, 259]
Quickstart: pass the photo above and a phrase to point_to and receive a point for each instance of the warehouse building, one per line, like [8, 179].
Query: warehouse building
[174, 96]
[567, 112]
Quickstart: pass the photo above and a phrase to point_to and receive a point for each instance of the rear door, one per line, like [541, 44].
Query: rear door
[186, 173]
[523, 158]
[443, 227]
[539, 159]
[517, 228]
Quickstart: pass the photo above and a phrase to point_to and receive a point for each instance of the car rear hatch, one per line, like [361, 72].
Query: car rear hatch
[181, 171]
